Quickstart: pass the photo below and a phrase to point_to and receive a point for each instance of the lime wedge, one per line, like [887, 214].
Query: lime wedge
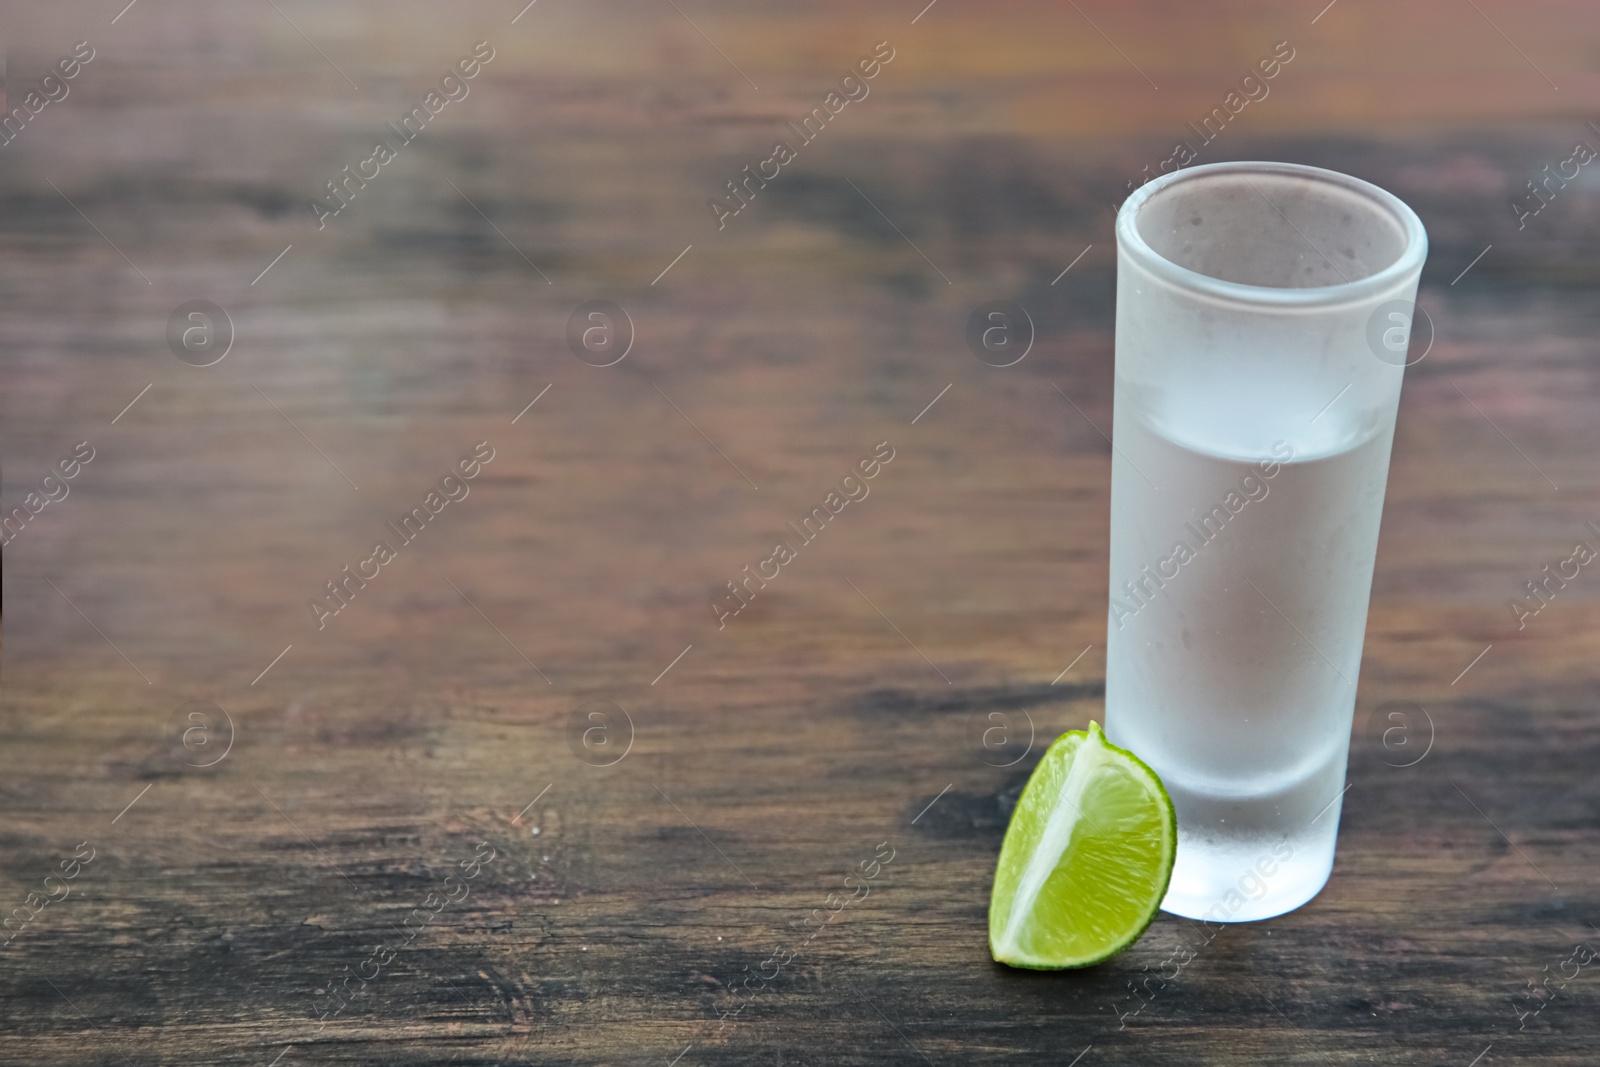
[1086, 859]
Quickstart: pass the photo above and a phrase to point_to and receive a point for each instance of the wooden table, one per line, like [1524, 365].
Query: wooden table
[640, 881]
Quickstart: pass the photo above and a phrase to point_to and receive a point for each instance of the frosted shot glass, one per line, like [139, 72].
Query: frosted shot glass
[1263, 311]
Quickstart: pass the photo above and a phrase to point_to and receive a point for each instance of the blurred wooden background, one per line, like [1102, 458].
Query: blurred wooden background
[631, 905]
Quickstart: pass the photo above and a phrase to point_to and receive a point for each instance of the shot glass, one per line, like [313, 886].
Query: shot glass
[1263, 313]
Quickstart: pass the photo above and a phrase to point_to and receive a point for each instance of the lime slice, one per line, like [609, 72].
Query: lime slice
[1086, 859]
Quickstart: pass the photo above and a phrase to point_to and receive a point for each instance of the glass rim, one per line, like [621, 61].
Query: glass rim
[1407, 265]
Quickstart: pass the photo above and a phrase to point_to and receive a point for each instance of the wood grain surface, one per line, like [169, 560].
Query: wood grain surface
[523, 799]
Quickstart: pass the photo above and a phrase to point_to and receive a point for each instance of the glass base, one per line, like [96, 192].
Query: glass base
[1246, 857]
[1233, 884]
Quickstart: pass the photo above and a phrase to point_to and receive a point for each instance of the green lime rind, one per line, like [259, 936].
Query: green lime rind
[1086, 859]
